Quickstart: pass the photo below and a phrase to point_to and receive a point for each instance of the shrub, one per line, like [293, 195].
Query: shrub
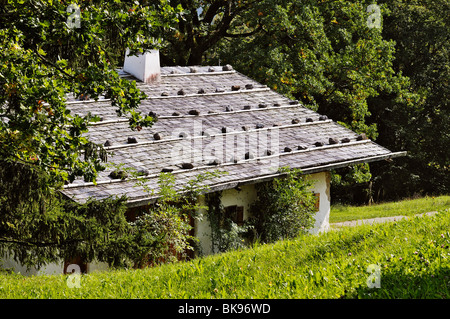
[225, 233]
[284, 207]
[162, 231]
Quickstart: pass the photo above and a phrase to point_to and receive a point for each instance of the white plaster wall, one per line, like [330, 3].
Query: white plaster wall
[322, 186]
[247, 196]
[7, 262]
[203, 230]
[243, 197]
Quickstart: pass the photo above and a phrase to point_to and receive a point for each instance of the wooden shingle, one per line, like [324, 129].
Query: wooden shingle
[278, 132]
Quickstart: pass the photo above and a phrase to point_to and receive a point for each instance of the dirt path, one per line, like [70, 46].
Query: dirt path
[373, 220]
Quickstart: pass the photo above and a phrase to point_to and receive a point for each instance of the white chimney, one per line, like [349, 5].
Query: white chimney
[144, 67]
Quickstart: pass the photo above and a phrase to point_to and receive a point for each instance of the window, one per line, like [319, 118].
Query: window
[235, 213]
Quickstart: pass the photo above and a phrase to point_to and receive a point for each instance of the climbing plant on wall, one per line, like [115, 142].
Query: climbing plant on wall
[284, 207]
[162, 231]
[226, 234]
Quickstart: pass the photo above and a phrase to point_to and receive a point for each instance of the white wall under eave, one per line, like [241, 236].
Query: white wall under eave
[322, 186]
[244, 197]
[8, 262]
[247, 195]
[57, 268]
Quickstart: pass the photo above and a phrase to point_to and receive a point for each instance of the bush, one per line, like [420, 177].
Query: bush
[225, 233]
[284, 207]
[162, 231]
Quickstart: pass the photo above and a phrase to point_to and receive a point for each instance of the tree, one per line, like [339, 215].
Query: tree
[330, 56]
[38, 226]
[44, 58]
[420, 30]
[202, 25]
[416, 120]
[379, 69]
[49, 51]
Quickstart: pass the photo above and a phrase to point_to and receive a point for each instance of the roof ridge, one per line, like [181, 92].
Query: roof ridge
[198, 73]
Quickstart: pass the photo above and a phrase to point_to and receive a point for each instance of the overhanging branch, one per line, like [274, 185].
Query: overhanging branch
[48, 62]
[39, 244]
[243, 35]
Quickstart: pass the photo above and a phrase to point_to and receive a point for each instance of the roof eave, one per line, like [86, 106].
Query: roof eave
[265, 178]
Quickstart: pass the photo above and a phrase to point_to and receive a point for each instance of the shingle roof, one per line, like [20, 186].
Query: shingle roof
[216, 120]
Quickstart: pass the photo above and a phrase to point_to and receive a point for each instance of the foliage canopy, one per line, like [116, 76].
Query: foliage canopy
[389, 82]
[46, 60]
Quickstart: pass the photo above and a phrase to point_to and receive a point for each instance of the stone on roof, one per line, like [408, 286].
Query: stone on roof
[206, 121]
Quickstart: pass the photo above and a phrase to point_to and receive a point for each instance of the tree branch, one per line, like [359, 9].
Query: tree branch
[247, 34]
[50, 63]
[38, 244]
[212, 11]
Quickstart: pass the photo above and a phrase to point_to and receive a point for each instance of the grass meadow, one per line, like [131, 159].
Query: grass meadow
[409, 259]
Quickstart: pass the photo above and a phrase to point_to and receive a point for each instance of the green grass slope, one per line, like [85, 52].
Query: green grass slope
[341, 213]
[413, 256]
